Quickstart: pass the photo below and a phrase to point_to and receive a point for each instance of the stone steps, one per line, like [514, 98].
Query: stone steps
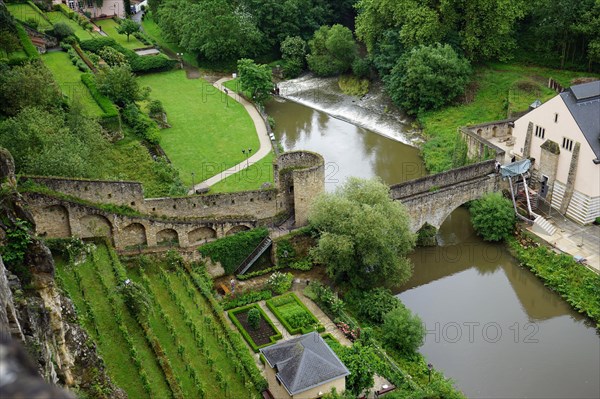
[543, 226]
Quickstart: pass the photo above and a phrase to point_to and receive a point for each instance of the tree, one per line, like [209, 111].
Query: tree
[403, 330]
[255, 79]
[254, 318]
[8, 42]
[493, 217]
[364, 234]
[62, 30]
[128, 27]
[112, 56]
[359, 360]
[332, 50]
[372, 305]
[428, 77]
[293, 48]
[29, 85]
[118, 84]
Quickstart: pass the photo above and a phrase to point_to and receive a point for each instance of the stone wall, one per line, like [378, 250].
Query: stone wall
[477, 138]
[450, 178]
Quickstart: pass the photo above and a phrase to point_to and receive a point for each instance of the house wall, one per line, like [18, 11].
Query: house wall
[587, 181]
[339, 385]
[109, 7]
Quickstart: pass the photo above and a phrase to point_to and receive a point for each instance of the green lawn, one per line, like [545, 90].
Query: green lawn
[207, 134]
[251, 178]
[24, 11]
[82, 34]
[68, 78]
[500, 87]
[110, 27]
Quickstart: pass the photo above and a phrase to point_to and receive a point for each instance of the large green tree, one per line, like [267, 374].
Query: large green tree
[128, 27]
[332, 50]
[359, 360]
[403, 330]
[493, 217]
[255, 79]
[427, 77]
[364, 234]
[119, 84]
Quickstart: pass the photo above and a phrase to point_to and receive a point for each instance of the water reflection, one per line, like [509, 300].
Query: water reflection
[493, 326]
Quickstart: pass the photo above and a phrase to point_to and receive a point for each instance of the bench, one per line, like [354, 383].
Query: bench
[224, 288]
[266, 394]
[383, 391]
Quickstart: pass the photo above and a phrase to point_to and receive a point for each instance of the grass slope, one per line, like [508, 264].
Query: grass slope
[110, 27]
[68, 78]
[500, 88]
[24, 11]
[82, 34]
[251, 178]
[206, 136]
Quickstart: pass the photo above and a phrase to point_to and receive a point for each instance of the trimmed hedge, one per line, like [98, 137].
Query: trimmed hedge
[155, 63]
[64, 9]
[109, 109]
[233, 316]
[26, 43]
[232, 250]
[233, 301]
[274, 305]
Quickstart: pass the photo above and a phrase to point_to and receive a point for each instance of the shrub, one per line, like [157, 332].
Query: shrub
[493, 217]
[112, 57]
[332, 50]
[141, 124]
[28, 47]
[361, 67]
[372, 305]
[304, 265]
[234, 301]
[403, 330]
[280, 282]
[62, 30]
[104, 102]
[32, 22]
[137, 299]
[232, 250]
[254, 318]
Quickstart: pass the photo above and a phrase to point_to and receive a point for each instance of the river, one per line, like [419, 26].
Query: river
[492, 326]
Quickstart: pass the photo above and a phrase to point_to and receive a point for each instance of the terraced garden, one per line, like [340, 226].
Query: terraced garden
[292, 313]
[82, 34]
[183, 348]
[110, 27]
[24, 12]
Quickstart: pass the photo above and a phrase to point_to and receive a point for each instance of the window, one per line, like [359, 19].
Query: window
[567, 144]
[556, 118]
[540, 131]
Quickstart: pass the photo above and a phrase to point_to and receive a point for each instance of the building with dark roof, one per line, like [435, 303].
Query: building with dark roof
[305, 367]
[563, 136]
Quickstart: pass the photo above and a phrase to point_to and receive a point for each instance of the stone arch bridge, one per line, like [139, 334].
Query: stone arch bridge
[432, 199]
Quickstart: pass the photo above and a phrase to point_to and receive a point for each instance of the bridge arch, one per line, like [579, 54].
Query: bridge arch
[134, 234]
[237, 229]
[198, 235]
[95, 226]
[167, 237]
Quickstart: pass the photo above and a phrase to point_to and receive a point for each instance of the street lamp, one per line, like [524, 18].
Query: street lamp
[193, 184]
[226, 96]
[429, 367]
[248, 156]
[180, 57]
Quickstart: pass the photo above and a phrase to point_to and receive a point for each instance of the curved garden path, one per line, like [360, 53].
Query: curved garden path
[261, 130]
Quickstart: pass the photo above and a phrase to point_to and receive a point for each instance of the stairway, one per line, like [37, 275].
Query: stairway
[253, 257]
[543, 226]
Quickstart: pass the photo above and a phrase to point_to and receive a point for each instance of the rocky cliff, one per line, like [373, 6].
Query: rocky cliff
[33, 311]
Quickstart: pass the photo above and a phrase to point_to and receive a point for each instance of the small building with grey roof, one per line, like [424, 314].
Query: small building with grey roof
[305, 367]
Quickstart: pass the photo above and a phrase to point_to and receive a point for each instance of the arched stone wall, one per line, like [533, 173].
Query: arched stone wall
[237, 229]
[134, 235]
[167, 237]
[200, 234]
[55, 222]
[95, 226]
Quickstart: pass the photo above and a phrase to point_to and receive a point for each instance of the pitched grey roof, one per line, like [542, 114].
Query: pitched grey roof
[583, 101]
[304, 362]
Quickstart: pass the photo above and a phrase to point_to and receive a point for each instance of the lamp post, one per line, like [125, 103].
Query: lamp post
[429, 367]
[247, 156]
[180, 58]
[193, 182]
[226, 96]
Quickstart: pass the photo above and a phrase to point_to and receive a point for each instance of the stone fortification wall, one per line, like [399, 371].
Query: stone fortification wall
[450, 178]
[477, 138]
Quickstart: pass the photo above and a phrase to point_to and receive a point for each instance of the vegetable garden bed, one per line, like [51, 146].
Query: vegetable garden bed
[293, 314]
[266, 334]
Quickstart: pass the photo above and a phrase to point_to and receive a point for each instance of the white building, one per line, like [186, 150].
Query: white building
[108, 8]
[563, 137]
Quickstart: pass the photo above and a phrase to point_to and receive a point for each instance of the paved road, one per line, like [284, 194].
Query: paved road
[261, 130]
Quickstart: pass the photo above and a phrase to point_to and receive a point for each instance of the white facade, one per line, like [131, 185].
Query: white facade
[109, 8]
[554, 121]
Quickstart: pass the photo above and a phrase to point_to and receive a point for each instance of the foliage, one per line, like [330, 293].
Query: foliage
[70, 248]
[236, 300]
[118, 84]
[232, 250]
[493, 217]
[233, 316]
[48, 145]
[427, 77]
[575, 283]
[61, 30]
[112, 56]
[372, 305]
[155, 108]
[108, 108]
[364, 234]
[29, 85]
[128, 27]
[144, 127]
[325, 297]
[254, 317]
[358, 359]
[14, 248]
[403, 330]
[332, 50]
[137, 299]
[280, 282]
[426, 236]
[353, 86]
[28, 47]
[293, 314]
[255, 79]
[8, 42]
[293, 49]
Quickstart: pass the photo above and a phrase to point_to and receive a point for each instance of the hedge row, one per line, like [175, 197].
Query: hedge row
[64, 9]
[155, 63]
[26, 43]
[110, 118]
[233, 301]
[274, 307]
[232, 250]
[38, 11]
[233, 316]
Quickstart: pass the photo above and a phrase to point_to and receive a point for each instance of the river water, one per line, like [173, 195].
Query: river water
[492, 326]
